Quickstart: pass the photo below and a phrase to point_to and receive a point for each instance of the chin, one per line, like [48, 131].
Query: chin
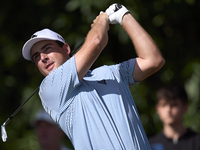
[45, 74]
[170, 122]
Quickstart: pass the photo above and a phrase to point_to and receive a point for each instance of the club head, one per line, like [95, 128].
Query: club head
[3, 133]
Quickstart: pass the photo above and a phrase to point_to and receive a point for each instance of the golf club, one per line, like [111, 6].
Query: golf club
[3, 130]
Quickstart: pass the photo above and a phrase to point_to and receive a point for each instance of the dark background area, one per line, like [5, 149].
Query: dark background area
[173, 24]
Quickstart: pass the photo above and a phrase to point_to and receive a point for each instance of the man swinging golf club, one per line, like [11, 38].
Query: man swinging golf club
[95, 108]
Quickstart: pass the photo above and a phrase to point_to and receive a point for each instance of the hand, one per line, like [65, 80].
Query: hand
[116, 12]
[101, 17]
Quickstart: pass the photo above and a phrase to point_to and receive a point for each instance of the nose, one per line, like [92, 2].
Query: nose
[44, 57]
[168, 108]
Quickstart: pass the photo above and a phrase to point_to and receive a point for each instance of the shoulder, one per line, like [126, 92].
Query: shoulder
[191, 138]
[192, 134]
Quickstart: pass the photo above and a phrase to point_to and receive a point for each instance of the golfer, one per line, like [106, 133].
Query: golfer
[95, 107]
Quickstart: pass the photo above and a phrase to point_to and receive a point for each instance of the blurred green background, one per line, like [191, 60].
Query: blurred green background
[173, 24]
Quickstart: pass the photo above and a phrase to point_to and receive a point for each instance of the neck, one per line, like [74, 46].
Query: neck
[174, 131]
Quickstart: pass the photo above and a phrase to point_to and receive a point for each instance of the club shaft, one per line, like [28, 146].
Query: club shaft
[77, 47]
[20, 107]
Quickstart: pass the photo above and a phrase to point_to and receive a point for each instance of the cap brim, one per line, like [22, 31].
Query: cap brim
[29, 44]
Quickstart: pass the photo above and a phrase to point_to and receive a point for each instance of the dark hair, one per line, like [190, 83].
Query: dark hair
[60, 43]
[172, 92]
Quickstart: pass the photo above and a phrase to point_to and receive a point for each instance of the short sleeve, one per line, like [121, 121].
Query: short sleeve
[55, 89]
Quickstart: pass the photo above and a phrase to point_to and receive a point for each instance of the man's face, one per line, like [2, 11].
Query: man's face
[48, 55]
[171, 112]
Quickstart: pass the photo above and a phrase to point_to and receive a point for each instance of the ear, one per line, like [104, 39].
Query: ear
[66, 47]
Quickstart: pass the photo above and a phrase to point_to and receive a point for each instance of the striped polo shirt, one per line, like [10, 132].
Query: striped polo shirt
[97, 112]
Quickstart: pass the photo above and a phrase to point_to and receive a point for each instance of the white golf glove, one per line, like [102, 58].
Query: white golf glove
[116, 12]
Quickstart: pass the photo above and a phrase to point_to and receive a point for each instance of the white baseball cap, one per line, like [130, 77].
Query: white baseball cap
[42, 116]
[45, 34]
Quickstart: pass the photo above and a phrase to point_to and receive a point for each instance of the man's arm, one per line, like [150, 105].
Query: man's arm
[95, 42]
[149, 58]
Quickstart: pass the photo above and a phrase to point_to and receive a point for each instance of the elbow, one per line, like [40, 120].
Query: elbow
[159, 63]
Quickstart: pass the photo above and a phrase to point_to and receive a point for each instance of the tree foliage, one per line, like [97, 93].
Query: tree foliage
[173, 24]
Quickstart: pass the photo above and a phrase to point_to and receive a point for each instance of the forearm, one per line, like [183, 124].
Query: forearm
[96, 40]
[149, 59]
